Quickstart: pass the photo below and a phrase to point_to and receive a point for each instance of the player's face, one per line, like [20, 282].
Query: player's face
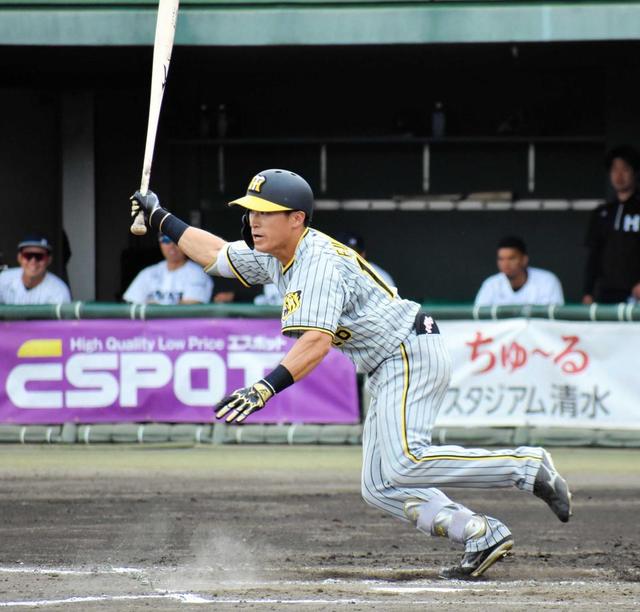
[511, 262]
[34, 262]
[622, 175]
[271, 231]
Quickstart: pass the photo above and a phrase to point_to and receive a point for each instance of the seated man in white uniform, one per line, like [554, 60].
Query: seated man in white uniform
[175, 280]
[32, 283]
[517, 282]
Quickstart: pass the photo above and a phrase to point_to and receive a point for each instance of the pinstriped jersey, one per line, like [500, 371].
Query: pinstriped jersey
[328, 287]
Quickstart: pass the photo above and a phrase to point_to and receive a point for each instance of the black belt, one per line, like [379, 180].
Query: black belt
[424, 324]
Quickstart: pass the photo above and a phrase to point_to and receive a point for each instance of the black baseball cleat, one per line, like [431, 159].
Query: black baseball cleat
[552, 488]
[474, 564]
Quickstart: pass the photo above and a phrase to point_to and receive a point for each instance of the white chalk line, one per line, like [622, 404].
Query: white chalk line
[374, 584]
[192, 598]
[181, 597]
[414, 587]
[69, 571]
[412, 590]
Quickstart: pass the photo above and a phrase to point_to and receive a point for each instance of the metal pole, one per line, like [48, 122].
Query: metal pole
[531, 168]
[221, 185]
[323, 168]
[426, 168]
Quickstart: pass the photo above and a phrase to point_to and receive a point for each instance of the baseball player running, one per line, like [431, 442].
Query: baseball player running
[332, 297]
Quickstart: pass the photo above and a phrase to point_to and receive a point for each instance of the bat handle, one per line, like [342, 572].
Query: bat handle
[138, 227]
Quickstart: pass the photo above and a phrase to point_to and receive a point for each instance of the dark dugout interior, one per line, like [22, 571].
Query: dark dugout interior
[372, 107]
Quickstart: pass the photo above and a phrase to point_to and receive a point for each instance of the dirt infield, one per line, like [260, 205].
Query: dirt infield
[269, 528]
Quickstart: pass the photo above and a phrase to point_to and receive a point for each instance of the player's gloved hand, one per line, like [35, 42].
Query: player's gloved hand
[148, 203]
[243, 402]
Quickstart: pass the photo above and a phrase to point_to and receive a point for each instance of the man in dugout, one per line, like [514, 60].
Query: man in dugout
[174, 280]
[517, 282]
[613, 238]
[31, 282]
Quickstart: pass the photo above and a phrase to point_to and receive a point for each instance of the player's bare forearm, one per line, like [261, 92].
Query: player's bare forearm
[307, 352]
[200, 246]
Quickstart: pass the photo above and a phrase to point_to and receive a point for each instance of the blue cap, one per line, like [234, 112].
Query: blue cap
[35, 240]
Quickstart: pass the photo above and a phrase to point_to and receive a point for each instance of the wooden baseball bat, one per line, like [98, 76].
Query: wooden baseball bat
[165, 31]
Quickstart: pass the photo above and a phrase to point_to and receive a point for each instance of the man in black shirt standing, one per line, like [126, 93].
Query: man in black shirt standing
[613, 237]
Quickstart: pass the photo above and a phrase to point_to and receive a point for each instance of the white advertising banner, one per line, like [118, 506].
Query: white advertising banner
[519, 372]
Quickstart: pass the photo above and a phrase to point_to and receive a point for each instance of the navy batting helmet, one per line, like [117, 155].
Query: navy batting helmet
[278, 190]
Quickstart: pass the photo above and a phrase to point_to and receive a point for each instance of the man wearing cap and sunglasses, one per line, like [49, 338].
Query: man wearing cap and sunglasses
[332, 297]
[32, 283]
[175, 280]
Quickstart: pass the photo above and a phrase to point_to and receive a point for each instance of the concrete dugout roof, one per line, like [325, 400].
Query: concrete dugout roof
[309, 22]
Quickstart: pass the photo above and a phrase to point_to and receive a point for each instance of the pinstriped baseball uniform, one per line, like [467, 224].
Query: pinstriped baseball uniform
[329, 288]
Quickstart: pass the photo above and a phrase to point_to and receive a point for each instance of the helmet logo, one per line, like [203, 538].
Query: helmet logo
[256, 183]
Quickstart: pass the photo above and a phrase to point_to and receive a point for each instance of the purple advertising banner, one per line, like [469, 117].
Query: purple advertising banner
[169, 370]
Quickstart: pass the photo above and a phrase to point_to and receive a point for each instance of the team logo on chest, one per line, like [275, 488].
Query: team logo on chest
[290, 304]
[632, 223]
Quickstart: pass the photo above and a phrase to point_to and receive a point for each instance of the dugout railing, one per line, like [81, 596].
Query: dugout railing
[219, 433]
[101, 310]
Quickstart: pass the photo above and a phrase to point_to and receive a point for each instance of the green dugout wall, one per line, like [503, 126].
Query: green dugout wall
[78, 311]
[309, 22]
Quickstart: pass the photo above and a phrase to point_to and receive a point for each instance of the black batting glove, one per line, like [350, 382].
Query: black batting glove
[147, 203]
[243, 402]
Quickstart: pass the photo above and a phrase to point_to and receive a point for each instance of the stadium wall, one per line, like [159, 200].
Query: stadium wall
[606, 419]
